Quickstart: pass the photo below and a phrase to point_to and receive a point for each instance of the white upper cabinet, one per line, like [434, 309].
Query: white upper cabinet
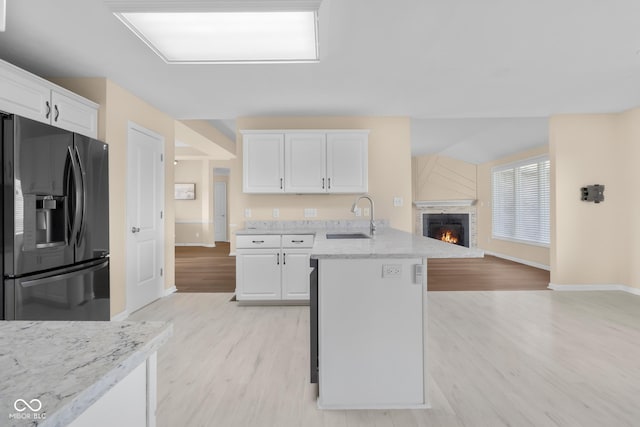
[27, 95]
[347, 162]
[313, 161]
[263, 163]
[24, 95]
[72, 115]
[305, 163]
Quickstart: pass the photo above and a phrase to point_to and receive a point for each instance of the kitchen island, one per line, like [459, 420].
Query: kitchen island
[369, 300]
[79, 373]
[368, 312]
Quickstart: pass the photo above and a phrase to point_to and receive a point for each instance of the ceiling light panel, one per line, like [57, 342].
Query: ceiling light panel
[228, 37]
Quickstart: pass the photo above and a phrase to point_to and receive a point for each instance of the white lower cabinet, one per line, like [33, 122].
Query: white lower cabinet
[273, 274]
[295, 274]
[258, 274]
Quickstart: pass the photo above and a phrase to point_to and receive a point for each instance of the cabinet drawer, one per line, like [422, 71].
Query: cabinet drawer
[297, 240]
[258, 241]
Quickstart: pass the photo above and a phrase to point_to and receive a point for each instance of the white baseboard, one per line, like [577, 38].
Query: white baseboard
[120, 316]
[169, 291]
[598, 287]
[210, 245]
[518, 260]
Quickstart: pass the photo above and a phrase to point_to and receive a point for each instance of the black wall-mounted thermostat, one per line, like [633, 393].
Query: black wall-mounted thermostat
[593, 193]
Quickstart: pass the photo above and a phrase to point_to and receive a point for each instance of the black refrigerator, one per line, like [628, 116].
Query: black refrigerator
[55, 223]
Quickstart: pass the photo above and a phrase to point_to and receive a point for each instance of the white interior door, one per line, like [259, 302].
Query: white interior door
[145, 223]
[220, 211]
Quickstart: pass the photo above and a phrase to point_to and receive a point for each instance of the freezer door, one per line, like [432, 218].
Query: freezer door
[81, 293]
[37, 173]
[92, 240]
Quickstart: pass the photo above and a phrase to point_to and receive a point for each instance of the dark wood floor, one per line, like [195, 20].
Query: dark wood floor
[200, 269]
[484, 274]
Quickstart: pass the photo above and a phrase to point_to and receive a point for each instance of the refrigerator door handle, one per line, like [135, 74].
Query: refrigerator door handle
[77, 187]
[82, 227]
[64, 276]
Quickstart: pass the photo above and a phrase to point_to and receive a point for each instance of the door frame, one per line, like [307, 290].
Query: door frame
[134, 127]
[226, 209]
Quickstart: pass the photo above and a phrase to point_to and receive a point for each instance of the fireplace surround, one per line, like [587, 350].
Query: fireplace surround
[454, 207]
[448, 227]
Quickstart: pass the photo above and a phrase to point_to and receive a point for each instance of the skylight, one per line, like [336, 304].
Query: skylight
[228, 36]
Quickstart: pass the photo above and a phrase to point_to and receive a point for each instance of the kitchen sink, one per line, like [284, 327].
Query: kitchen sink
[347, 236]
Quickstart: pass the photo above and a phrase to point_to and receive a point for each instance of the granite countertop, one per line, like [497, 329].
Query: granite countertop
[68, 366]
[386, 243]
[389, 243]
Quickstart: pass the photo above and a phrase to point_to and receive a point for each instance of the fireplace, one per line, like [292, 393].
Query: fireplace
[448, 227]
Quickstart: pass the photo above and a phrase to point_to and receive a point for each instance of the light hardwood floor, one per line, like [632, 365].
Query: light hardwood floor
[528, 358]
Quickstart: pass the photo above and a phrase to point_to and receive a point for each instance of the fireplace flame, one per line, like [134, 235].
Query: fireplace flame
[449, 238]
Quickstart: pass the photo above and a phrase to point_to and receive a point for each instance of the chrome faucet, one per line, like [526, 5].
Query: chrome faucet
[372, 225]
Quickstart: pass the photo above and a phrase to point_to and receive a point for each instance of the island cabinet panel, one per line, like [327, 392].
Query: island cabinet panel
[305, 163]
[263, 163]
[371, 333]
[312, 161]
[131, 402]
[30, 96]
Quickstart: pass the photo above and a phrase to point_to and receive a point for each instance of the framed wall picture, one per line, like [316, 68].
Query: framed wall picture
[185, 191]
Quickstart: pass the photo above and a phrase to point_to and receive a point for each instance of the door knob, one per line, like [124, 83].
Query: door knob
[135, 229]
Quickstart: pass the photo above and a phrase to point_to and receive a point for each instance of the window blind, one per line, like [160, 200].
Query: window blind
[521, 201]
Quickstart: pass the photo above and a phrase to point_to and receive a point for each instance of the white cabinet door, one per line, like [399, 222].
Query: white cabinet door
[305, 163]
[73, 115]
[263, 163]
[347, 162]
[258, 274]
[295, 274]
[22, 95]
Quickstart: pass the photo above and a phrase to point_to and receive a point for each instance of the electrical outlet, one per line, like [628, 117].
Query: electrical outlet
[276, 213]
[358, 212]
[365, 212]
[247, 213]
[398, 202]
[197, 234]
[391, 271]
[310, 212]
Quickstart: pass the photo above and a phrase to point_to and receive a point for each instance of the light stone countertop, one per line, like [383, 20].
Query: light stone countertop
[386, 243]
[68, 366]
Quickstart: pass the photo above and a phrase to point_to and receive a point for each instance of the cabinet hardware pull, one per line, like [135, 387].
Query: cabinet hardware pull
[278, 259]
[323, 183]
[257, 241]
[329, 180]
[297, 241]
[55, 108]
[48, 110]
[284, 259]
[281, 183]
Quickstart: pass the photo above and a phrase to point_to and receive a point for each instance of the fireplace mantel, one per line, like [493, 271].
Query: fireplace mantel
[425, 204]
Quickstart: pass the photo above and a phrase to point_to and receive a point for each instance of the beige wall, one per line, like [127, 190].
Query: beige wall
[537, 255]
[443, 178]
[595, 243]
[389, 173]
[117, 108]
[194, 218]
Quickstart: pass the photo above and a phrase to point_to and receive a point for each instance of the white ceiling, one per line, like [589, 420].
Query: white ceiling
[426, 59]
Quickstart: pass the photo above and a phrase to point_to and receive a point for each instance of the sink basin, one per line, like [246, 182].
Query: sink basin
[347, 236]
